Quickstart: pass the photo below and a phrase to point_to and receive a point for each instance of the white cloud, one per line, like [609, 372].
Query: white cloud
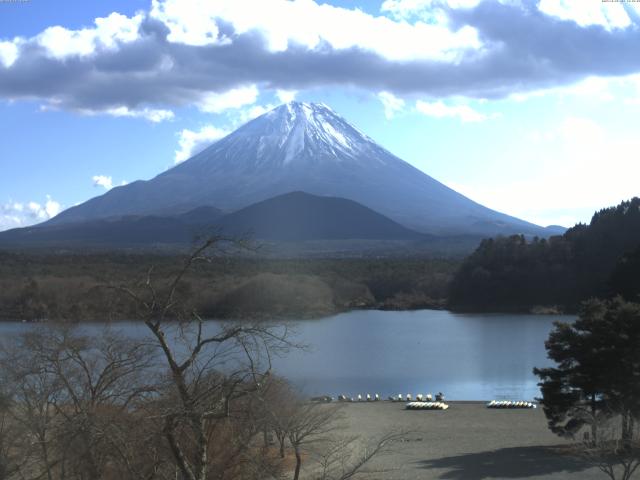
[234, 98]
[102, 181]
[247, 114]
[8, 221]
[152, 114]
[391, 104]
[190, 24]
[424, 9]
[51, 207]
[439, 109]
[609, 15]
[591, 89]
[9, 52]
[61, 42]
[306, 23]
[105, 182]
[19, 214]
[286, 96]
[117, 28]
[192, 142]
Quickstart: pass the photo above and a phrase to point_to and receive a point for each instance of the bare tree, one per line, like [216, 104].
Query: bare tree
[310, 424]
[278, 406]
[71, 393]
[615, 455]
[7, 463]
[315, 431]
[210, 367]
[34, 394]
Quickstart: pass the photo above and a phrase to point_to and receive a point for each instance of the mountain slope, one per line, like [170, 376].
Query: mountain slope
[303, 147]
[291, 217]
[112, 232]
[299, 216]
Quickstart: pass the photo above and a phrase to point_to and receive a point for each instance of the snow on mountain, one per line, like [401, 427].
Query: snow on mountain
[303, 147]
[293, 134]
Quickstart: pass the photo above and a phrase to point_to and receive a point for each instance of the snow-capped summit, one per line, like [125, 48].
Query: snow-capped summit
[295, 134]
[302, 147]
[313, 129]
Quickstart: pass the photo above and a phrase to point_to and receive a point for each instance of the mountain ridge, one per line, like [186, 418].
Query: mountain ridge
[291, 217]
[304, 147]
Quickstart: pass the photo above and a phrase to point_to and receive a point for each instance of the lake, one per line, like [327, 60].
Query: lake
[466, 356]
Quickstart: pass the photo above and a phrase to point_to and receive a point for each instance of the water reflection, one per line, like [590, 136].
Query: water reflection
[468, 357]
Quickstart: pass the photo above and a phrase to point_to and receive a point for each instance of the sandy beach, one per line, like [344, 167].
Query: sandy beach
[467, 441]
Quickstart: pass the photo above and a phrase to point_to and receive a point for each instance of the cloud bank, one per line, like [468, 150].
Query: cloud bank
[19, 214]
[220, 55]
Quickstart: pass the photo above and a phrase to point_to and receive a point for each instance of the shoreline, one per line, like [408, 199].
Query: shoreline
[308, 316]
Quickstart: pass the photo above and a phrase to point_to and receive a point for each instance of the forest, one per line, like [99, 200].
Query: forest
[600, 260]
[76, 287]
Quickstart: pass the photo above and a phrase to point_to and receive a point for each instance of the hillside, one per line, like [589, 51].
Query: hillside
[298, 216]
[595, 260]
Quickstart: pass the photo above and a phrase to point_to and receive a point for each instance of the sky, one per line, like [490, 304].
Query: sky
[529, 107]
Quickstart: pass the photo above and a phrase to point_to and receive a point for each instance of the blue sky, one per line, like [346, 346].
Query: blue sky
[529, 107]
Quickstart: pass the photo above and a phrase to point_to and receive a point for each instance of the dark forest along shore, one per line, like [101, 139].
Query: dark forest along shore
[466, 356]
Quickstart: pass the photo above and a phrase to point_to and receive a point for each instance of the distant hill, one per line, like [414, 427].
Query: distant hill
[299, 216]
[112, 232]
[199, 216]
[595, 260]
[292, 217]
[303, 147]
[555, 230]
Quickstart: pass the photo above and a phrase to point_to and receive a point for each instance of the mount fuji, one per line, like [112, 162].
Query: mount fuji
[309, 148]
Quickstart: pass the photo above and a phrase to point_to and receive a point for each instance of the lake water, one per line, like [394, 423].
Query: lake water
[466, 356]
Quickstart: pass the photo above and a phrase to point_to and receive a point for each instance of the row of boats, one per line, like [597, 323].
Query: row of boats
[422, 402]
[376, 398]
[359, 398]
[426, 406]
[419, 398]
[510, 404]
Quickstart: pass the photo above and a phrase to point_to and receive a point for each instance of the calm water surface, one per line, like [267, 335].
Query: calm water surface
[466, 356]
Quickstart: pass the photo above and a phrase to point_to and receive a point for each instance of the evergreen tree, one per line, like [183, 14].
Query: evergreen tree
[625, 278]
[601, 259]
[598, 369]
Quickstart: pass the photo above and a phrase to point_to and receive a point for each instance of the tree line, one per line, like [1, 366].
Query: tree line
[70, 287]
[514, 273]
